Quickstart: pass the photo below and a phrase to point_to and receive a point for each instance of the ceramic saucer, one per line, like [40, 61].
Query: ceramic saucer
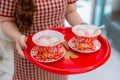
[43, 57]
[72, 42]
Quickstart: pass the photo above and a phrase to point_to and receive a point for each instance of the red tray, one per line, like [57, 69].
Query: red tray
[76, 63]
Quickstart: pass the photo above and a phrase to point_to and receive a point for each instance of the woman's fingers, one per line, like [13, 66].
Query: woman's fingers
[20, 44]
[19, 50]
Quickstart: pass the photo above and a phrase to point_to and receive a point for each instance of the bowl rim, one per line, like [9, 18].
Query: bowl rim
[54, 31]
[73, 30]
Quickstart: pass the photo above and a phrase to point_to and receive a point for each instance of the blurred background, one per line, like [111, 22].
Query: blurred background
[97, 12]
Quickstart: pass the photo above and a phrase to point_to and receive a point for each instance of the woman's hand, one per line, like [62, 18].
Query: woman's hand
[20, 44]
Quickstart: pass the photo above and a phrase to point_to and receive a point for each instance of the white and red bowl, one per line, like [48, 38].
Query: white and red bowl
[85, 36]
[49, 44]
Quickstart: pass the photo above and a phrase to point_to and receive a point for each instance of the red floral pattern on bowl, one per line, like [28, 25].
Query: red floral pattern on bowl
[84, 37]
[49, 46]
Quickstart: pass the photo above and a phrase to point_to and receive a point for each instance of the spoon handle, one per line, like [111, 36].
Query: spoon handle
[97, 29]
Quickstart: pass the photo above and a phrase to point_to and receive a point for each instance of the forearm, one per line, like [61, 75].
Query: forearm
[74, 18]
[10, 30]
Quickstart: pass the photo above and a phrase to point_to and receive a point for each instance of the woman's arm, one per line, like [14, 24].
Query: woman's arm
[10, 29]
[72, 16]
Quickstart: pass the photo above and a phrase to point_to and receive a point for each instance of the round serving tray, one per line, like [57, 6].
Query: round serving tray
[73, 62]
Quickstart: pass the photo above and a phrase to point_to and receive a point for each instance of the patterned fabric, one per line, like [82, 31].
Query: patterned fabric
[49, 13]
[24, 70]
[7, 7]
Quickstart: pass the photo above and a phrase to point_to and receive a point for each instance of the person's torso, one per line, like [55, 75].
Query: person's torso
[48, 13]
